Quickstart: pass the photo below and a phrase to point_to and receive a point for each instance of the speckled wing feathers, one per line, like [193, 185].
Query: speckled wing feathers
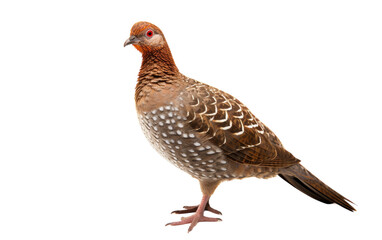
[223, 120]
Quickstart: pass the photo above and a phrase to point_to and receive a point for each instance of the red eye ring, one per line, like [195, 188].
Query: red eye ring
[149, 33]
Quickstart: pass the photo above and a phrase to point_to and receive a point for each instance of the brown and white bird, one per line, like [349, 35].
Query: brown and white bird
[208, 133]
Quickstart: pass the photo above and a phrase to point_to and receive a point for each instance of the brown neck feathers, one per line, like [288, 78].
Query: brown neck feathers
[158, 61]
[158, 69]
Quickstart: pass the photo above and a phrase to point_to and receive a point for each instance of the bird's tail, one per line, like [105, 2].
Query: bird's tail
[307, 183]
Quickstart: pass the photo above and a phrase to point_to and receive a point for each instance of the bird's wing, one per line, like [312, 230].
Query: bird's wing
[226, 122]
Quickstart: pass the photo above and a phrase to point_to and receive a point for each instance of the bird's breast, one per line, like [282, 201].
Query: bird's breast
[167, 129]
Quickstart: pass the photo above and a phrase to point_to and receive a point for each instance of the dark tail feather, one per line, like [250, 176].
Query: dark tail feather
[307, 183]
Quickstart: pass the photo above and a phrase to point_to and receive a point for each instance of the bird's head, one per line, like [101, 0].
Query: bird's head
[146, 37]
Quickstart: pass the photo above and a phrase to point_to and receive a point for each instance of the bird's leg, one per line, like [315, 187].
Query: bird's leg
[191, 209]
[197, 217]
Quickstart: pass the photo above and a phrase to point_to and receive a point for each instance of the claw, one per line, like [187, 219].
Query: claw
[191, 209]
[193, 220]
[198, 214]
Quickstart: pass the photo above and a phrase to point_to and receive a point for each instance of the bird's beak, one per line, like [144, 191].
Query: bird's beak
[131, 40]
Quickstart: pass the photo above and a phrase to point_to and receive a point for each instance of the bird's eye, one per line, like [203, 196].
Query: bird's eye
[149, 33]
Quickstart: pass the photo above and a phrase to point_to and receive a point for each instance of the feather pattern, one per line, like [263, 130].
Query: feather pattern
[223, 120]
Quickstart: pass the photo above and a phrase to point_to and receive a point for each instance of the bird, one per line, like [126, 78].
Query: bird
[208, 133]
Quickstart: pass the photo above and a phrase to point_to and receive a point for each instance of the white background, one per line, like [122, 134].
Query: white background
[75, 165]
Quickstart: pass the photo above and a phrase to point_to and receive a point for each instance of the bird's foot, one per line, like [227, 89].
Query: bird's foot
[193, 220]
[198, 215]
[191, 209]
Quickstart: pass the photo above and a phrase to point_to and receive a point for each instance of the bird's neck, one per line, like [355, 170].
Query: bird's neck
[157, 62]
[158, 71]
